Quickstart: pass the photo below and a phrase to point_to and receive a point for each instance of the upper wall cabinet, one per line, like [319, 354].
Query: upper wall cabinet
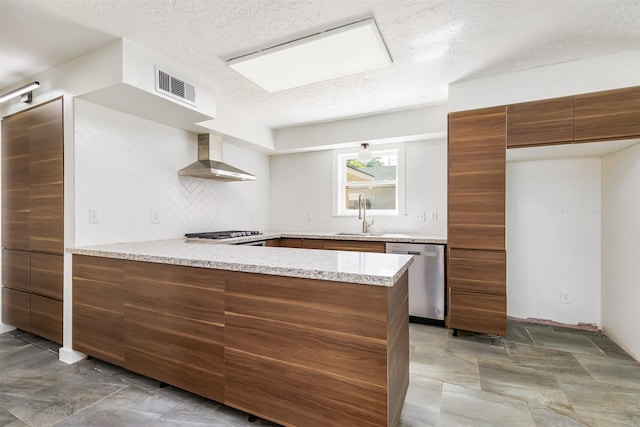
[540, 122]
[612, 114]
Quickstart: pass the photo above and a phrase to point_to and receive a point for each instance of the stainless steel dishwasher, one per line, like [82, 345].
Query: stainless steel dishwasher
[426, 280]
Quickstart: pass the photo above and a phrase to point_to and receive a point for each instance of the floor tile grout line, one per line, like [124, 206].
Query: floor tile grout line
[94, 403]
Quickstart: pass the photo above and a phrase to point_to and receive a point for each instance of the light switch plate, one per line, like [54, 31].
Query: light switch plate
[94, 217]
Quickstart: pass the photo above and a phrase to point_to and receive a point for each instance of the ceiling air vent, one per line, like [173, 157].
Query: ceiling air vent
[175, 87]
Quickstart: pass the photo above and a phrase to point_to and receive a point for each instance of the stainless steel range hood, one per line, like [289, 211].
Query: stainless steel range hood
[210, 164]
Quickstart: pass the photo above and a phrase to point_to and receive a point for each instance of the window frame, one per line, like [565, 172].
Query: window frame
[338, 187]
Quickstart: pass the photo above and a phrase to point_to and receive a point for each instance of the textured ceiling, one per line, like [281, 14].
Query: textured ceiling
[432, 43]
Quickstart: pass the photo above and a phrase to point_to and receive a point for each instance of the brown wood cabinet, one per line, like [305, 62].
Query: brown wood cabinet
[476, 279]
[476, 233]
[32, 215]
[46, 318]
[476, 186]
[322, 337]
[98, 307]
[477, 290]
[16, 270]
[612, 114]
[545, 122]
[16, 308]
[329, 244]
[293, 350]
[354, 245]
[174, 326]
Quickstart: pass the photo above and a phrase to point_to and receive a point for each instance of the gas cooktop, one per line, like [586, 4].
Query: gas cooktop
[229, 234]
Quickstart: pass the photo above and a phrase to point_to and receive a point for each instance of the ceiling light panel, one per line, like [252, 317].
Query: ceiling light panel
[342, 51]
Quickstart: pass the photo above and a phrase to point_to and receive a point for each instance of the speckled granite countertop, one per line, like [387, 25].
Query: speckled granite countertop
[340, 266]
[371, 237]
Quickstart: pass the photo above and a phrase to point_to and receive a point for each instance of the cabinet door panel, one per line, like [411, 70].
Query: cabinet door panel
[15, 183]
[613, 114]
[46, 275]
[16, 269]
[16, 308]
[545, 122]
[46, 318]
[46, 176]
[166, 348]
[476, 178]
[478, 312]
[479, 271]
[98, 307]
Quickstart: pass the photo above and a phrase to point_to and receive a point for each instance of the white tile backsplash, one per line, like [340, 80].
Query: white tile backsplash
[126, 166]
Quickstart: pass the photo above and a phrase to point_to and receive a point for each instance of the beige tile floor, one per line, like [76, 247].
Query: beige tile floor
[538, 375]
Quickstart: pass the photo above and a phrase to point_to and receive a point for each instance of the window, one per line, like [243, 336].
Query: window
[380, 181]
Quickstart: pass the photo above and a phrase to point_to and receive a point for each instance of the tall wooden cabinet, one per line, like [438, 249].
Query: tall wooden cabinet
[477, 153]
[476, 225]
[32, 219]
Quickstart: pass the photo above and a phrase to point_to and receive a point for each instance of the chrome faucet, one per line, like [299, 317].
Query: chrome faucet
[362, 213]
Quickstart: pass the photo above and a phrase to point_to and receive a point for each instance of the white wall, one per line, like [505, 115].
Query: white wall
[570, 78]
[621, 248]
[415, 124]
[553, 239]
[126, 166]
[302, 183]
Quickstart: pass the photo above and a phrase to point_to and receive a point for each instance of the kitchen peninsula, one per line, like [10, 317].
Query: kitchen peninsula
[295, 336]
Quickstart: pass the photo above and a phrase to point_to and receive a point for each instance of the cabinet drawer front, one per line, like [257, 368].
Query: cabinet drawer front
[46, 318]
[475, 270]
[477, 236]
[540, 122]
[607, 115]
[290, 243]
[16, 269]
[16, 308]
[46, 275]
[478, 312]
[354, 245]
[313, 243]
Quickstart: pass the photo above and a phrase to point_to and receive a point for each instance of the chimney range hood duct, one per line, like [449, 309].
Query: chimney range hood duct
[210, 164]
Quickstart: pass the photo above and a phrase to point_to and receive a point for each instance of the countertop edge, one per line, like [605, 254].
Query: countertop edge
[334, 276]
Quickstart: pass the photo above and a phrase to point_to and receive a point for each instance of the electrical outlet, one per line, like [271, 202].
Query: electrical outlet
[421, 215]
[565, 298]
[155, 216]
[94, 217]
[309, 216]
[434, 215]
